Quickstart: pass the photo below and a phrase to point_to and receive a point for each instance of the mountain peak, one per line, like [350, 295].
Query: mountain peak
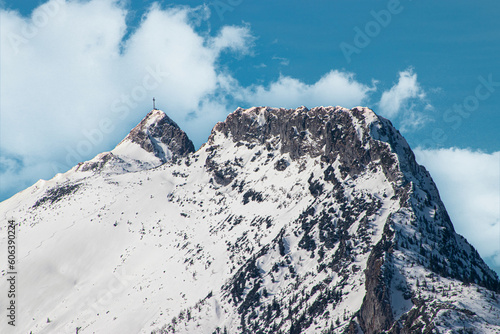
[327, 132]
[152, 142]
[260, 123]
[160, 135]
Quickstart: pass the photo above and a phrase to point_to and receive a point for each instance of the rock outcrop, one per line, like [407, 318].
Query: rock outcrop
[157, 133]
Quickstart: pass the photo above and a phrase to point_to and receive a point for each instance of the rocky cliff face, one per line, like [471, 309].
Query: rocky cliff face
[285, 221]
[159, 135]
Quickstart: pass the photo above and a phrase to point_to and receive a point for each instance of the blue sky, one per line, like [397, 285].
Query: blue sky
[76, 76]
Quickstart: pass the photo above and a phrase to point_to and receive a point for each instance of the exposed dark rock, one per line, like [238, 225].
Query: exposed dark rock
[223, 174]
[315, 187]
[281, 164]
[56, 194]
[326, 132]
[252, 195]
[375, 314]
[158, 128]
[96, 165]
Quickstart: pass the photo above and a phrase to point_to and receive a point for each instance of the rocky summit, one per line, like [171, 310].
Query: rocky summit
[285, 221]
[154, 141]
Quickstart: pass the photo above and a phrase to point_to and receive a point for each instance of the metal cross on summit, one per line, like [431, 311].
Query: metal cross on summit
[154, 107]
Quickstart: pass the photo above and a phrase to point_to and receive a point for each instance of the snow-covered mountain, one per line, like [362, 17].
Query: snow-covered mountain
[285, 221]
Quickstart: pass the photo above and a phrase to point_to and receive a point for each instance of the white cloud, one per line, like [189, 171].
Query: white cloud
[45, 73]
[283, 61]
[469, 185]
[335, 87]
[234, 38]
[400, 96]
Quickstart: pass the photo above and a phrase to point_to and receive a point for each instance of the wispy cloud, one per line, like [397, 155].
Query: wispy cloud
[234, 38]
[405, 89]
[283, 61]
[407, 99]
